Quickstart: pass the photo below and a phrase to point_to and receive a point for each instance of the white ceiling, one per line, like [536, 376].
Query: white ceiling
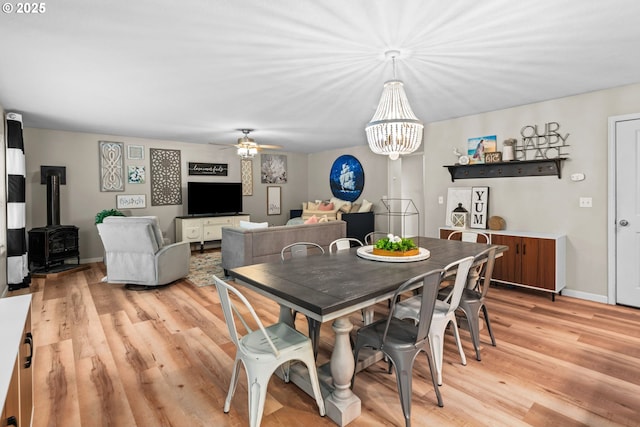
[305, 74]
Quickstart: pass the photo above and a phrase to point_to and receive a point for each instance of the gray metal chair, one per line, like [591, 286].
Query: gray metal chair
[402, 340]
[300, 249]
[473, 298]
[443, 313]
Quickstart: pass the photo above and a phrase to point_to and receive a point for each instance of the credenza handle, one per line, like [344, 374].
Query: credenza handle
[524, 249]
[28, 339]
[12, 421]
[517, 248]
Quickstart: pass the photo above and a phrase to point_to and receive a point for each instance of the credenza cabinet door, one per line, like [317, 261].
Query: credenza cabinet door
[507, 267]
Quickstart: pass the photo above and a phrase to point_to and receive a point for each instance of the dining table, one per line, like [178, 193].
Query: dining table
[330, 287]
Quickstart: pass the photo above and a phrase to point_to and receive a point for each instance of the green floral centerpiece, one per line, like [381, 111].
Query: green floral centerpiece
[395, 246]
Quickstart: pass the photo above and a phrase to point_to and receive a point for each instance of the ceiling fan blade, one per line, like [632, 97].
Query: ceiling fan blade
[270, 147]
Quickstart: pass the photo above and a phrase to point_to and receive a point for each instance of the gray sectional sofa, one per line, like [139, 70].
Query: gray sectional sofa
[242, 246]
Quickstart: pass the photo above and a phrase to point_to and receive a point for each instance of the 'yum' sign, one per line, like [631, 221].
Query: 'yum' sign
[479, 207]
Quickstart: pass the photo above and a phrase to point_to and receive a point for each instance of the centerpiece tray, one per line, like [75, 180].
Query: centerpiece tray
[366, 252]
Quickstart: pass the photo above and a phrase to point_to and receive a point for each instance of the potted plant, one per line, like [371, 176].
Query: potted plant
[100, 216]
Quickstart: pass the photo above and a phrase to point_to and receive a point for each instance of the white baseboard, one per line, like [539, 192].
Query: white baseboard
[585, 295]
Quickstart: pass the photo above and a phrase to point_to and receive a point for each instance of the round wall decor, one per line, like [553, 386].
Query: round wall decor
[346, 178]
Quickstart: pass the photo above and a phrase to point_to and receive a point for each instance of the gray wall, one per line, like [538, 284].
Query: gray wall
[81, 197]
[542, 204]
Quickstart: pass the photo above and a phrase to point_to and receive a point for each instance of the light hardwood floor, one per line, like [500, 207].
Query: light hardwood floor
[107, 356]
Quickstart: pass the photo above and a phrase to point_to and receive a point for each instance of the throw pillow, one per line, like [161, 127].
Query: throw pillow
[312, 220]
[253, 225]
[355, 208]
[366, 206]
[312, 206]
[323, 219]
[341, 205]
[324, 206]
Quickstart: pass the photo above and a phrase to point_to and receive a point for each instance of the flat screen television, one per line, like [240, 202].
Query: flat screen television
[214, 198]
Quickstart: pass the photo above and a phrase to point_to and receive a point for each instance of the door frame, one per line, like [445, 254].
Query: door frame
[611, 205]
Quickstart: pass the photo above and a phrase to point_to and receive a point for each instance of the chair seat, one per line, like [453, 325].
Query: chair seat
[408, 309]
[402, 333]
[469, 295]
[283, 336]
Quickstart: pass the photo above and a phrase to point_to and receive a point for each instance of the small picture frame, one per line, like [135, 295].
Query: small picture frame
[477, 147]
[135, 152]
[131, 201]
[273, 200]
[495, 157]
[135, 174]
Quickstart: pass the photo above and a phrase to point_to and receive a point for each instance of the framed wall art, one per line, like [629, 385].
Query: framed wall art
[111, 157]
[246, 174]
[477, 147]
[166, 177]
[135, 174]
[479, 212]
[131, 201]
[212, 169]
[273, 168]
[273, 200]
[346, 178]
[135, 152]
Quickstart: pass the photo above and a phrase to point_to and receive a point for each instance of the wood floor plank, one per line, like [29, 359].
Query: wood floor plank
[55, 386]
[106, 355]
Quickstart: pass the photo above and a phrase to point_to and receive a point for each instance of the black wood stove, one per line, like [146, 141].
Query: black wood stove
[50, 246]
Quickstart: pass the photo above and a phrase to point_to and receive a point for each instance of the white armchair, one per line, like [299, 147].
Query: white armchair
[135, 252]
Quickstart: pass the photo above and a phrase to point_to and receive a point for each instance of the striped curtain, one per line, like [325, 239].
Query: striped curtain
[17, 259]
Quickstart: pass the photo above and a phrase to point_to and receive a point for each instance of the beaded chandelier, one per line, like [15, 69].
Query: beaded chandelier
[394, 129]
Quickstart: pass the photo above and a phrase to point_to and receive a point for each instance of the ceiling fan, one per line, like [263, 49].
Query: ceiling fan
[248, 148]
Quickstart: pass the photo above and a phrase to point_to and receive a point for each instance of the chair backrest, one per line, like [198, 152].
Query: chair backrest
[230, 312]
[430, 285]
[374, 236]
[300, 249]
[128, 236]
[343, 243]
[151, 220]
[487, 258]
[461, 268]
[470, 236]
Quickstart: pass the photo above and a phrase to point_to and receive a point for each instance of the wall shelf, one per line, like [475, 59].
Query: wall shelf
[516, 168]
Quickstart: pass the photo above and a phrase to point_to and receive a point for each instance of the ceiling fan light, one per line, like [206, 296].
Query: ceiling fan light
[394, 129]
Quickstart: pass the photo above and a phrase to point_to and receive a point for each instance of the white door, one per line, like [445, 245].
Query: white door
[413, 194]
[627, 216]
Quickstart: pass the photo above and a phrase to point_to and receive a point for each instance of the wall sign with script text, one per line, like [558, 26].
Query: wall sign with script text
[215, 169]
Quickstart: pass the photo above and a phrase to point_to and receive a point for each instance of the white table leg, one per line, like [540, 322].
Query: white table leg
[342, 405]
